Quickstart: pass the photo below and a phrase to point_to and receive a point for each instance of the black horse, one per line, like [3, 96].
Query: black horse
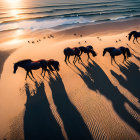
[28, 65]
[117, 51]
[72, 52]
[87, 50]
[53, 65]
[135, 34]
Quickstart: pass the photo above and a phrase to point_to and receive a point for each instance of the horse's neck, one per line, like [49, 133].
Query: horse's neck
[22, 65]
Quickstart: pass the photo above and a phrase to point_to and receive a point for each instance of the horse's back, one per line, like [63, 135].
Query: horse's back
[24, 62]
[116, 51]
[81, 47]
[109, 49]
[89, 47]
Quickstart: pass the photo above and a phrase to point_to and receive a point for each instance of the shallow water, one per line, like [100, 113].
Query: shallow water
[40, 14]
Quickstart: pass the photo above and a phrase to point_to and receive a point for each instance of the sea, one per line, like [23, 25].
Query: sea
[50, 14]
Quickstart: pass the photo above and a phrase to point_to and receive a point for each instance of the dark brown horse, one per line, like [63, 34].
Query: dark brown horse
[28, 65]
[117, 51]
[87, 50]
[72, 52]
[53, 65]
[135, 34]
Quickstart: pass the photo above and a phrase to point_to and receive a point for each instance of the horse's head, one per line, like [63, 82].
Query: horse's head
[15, 68]
[128, 52]
[104, 52]
[93, 53]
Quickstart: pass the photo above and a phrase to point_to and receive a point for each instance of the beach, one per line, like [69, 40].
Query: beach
[90, 100]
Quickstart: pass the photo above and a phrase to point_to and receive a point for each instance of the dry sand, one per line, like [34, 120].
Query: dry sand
[96, 100]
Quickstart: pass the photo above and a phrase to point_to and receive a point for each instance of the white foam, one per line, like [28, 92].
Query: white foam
[43, 24]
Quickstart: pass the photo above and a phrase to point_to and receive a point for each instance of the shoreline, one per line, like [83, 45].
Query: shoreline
[102, 28]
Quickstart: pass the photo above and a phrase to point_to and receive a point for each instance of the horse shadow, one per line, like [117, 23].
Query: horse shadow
[132, 83]
[39, 122]
[73, 122]
[96, 79]
[138, 58]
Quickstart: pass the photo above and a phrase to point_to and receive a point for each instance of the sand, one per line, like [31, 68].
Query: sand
[93, 100]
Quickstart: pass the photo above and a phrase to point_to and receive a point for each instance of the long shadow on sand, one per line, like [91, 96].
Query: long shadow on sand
[132, 83]
[39, 122]
[96, 79]
[74, 124]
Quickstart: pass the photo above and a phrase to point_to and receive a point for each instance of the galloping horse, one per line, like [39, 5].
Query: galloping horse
[72, 52]
[28, 65]
[87, 50]
[135, 34]
[117, 51]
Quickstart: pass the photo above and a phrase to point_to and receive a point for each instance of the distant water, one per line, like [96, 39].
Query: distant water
[40, 14]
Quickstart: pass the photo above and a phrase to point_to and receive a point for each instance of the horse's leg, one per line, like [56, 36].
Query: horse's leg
[74, 61]
[26, 74]
[31, 74]
[81, 53]
[42, 71]
[111, 59]
[134, 40]
[66, 58]
[114, 59]
[137, 41]
[79, 58]
[124, 57]
[88, 56]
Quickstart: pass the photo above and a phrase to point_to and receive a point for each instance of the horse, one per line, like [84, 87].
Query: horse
[135, 34]
[28, 65]
[87, 50]
[72, 52]
[53, 65]
[117, 51]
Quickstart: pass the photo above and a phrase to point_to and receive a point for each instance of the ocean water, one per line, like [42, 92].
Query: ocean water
[42, 14]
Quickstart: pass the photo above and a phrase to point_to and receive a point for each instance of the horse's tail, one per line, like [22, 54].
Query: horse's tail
[56, 65]
[93, 53]
[130, 34]
[128, 52]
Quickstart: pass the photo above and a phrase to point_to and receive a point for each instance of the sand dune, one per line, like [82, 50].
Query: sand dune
[93, 100]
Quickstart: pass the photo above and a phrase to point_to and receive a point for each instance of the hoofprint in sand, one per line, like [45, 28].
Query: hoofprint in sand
[90, 100]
